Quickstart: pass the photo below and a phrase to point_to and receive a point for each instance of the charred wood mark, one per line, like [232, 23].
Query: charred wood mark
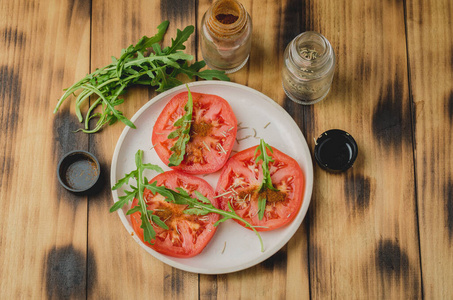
[393, 264]
[91, 271]
[10, 93]
[357, 188]
[296, 20]
[210, 288]
[294, 13]
[450, 107]
[388, 122]
[66, 273]
[448, 192]
[277, 261]
[174, 283]
[363, 71]
[177, 10]
[391, 260]
[65, 140]
[13, 38]
[77, 10]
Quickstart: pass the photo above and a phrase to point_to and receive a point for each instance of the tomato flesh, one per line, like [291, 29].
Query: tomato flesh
[187, 235]
[212, 135]
[239, 185]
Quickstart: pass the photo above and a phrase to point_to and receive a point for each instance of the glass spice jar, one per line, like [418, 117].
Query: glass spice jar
[226, 30]
[308, 68]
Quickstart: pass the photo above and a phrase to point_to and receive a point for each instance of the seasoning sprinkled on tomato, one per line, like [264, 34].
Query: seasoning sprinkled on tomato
[212, 132]
[187, 234]
[240, 184]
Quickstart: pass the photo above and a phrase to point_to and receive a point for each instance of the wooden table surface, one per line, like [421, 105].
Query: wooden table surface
[384, 229]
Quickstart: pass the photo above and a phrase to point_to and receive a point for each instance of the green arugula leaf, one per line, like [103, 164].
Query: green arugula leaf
[267, 181]
[125, 180]
[133, 210]
[181, 38]
[137, 192]
[135, 66]
[195, 211]
[195, 206]
[266, 159]
[142, 44]
[159, 222]
[261, 207]
[182, 132]
[123, 200]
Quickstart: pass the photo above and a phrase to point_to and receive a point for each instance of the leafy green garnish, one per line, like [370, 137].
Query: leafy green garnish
[267, 181]
[261, 207]
[137, 192]
[158, 68]
[195, 206]
[182, 132]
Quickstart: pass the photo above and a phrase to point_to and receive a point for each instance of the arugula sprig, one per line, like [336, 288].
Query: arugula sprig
[195, 206]
[137, 192]
[182, 132]
[136, 66]
[267, 181]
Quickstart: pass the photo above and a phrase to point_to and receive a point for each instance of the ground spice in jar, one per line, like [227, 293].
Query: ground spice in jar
[226, 30]
[226, 18]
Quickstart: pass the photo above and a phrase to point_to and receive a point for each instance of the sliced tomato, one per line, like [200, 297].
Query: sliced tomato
[240, 181]
[212, 134]
[187, 235]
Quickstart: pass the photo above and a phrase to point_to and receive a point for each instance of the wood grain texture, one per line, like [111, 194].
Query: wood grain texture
[43, 227]
[381, 230]
[124, 269]
[430, 50]
[363, 231]
[285, 274]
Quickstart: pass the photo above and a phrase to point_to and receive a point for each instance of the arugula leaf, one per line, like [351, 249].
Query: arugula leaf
[135, 66]
[182, 132]
[261, 207]
[195, 206]
[181, 38]
[137, 192]
[267, 181]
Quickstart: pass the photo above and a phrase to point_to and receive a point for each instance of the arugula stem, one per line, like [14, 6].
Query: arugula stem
[230, 215]
[136, 66]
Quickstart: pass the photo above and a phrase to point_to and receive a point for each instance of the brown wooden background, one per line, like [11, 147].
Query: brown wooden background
[382, 230]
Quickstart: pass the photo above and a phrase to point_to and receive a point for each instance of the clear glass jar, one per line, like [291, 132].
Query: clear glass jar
[226, 31]
[308, 68]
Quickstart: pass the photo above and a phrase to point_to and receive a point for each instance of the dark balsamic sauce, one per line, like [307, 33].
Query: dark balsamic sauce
[335, 150]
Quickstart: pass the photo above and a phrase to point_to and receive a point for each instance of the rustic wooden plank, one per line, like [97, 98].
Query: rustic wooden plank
[284, 275]
[363, 230]
[430, 53]
[119, 267]
[43, 227]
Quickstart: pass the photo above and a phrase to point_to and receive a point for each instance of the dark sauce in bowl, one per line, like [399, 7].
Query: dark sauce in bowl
[78, 171]
[335, 150]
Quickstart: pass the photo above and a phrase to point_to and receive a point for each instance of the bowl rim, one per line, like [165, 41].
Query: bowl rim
[85, 154]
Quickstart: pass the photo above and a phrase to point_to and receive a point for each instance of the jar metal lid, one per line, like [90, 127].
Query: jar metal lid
[335, 150]
[78, 171]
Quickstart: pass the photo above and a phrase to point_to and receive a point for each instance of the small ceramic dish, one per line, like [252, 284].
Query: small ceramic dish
[78, 171]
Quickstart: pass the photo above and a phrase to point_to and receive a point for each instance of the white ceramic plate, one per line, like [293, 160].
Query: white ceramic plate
[233, 247]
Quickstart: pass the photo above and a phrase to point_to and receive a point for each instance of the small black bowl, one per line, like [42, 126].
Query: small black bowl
[335, 150]
[78, 171]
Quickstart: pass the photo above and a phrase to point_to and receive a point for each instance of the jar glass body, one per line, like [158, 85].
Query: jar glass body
[226, 31]
[308, 68]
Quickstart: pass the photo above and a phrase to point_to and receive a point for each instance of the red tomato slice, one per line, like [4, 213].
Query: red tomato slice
[187, 235]
[212, 134]
[241, 178]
